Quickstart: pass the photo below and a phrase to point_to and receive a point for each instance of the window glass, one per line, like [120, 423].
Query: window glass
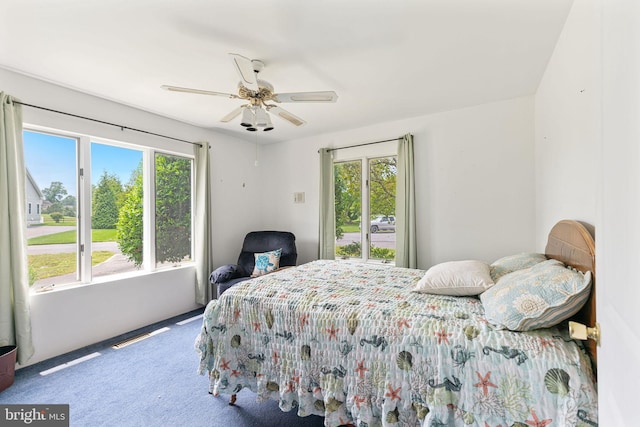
[51, 183]
[382, 206]
[172, 209]
[92, 216]
[365, 209]
[348, 202]
[116, 209]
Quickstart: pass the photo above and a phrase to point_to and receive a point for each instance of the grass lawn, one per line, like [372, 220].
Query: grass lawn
[51, 265]
[350, 228]
[70, 237]
[67, 220]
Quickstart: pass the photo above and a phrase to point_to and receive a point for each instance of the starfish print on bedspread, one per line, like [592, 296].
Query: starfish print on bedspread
[536, 422]
[484, 382]
[393, 393]
[361, 369]
[443, 336]
[403, 323]
[224, 364]
[332, 332]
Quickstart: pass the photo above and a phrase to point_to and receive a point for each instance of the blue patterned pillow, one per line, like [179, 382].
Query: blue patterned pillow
[508, 264]
[266, 262]
[537, 297]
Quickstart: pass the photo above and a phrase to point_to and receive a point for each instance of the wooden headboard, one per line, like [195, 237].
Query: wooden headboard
[573, 243]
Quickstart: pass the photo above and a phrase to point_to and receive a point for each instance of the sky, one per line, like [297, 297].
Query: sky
[52, 158]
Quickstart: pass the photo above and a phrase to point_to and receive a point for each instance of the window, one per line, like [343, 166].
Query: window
[348, 200]
[53, 250]
[365, 197]
[113, 173]
[107, 208]
[172, 209]
[29, 209]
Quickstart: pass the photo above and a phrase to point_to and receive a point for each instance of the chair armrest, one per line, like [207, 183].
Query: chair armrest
[224, 273]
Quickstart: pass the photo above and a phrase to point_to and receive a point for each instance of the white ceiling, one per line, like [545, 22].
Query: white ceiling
[386, 60]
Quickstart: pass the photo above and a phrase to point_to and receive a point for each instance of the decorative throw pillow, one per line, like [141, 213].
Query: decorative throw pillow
[266, 262]
[458, 278]
[537, 297]
[508, 264]
[224, 273]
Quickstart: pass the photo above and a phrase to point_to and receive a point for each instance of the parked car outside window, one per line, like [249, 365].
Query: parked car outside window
[383, 223]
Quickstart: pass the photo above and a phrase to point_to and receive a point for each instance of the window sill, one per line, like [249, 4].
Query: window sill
[105, 280]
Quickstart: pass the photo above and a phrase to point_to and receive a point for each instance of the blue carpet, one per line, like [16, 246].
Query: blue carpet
[149, 383]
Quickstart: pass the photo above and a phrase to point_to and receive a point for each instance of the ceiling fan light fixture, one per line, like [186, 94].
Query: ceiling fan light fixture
[269, 125]
[261, 117]
[248, 118]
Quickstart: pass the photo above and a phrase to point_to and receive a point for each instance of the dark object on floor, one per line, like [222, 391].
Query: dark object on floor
[7, 366]
[228, 275]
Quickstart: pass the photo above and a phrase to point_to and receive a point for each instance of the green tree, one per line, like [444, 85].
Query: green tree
[172, 212]
[348, 187]
[57, 217]
[173, 208]
[104, 206]
[55, 192]
[129, 226]
[69, 205]
[382, 185]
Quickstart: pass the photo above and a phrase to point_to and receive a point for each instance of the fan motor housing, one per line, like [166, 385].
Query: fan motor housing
[265, 92]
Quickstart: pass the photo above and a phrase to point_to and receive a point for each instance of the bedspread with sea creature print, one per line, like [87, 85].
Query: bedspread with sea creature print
[352, 342]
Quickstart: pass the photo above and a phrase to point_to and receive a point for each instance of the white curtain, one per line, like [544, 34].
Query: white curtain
[327, 236]
[15, 317]
[406, 253]
[203, 226]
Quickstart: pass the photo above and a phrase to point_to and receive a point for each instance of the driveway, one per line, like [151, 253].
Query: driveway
[43, 230]
[71, 247]
[118, 263]
[381, 239]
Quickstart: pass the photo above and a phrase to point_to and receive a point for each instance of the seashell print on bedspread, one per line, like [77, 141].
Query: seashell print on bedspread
[353, 343]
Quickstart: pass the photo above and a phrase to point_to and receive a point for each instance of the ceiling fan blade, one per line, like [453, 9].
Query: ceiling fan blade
[284, 114]
[326, 96]
[232, 115]
[198, 91]
[244, 66]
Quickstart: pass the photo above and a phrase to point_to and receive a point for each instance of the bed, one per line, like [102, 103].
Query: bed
[356, 344]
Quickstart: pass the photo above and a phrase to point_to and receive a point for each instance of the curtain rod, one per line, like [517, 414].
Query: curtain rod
[360, 145]
[106, 123]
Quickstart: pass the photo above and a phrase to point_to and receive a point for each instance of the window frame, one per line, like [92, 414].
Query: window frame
[365, 155]
[84, 200]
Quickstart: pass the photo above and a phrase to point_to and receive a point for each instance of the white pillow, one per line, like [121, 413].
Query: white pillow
[457, 278]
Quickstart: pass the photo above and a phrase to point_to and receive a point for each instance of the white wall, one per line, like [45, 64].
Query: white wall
[567, 124]
[68, 319]
[474, 181]
[618, 243]
[587, 138]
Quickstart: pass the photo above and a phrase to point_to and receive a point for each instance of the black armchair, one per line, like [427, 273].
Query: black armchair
[228, 275]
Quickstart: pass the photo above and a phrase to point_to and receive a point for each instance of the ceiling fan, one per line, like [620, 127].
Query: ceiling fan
[258, 93]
